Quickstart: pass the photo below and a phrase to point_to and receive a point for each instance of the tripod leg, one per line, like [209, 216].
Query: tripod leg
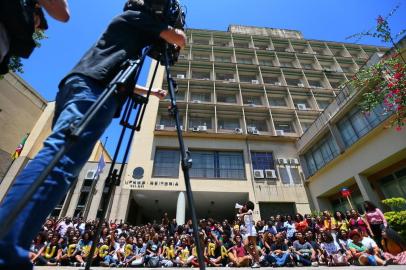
[186, 162]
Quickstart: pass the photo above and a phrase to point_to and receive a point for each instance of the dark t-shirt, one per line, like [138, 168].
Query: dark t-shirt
[154, 247]
[276, 246]
[124, 38]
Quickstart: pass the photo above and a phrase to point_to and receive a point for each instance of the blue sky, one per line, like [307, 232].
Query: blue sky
[316, 19]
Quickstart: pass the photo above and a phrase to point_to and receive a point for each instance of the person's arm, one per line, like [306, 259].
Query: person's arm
[385, 222]
[141, 90]
[365, 219]
[57, 9]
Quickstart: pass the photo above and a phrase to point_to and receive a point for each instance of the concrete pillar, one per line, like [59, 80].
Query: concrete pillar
[181, 208]
[367, 192]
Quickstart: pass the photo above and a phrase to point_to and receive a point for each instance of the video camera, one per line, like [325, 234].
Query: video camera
[167, 11]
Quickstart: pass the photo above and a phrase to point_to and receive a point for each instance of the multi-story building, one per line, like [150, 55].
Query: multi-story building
[245, 97]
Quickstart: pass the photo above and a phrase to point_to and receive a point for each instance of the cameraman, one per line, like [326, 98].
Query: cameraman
[124, 38]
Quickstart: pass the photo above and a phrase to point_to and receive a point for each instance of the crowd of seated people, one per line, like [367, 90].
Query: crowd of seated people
[338, 239]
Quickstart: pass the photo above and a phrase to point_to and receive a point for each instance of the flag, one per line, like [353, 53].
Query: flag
[100, 166]
[19, 148]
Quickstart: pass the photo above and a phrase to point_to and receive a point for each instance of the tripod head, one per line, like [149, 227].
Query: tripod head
[167, 11]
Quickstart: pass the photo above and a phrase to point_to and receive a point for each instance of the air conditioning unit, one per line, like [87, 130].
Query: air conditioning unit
[90, 174]
[288, 50]
[258, 174]
[251, 130]
[313, 53]
[300, 85]
[294, 161]
[280, 132]
[181, 127]
[195, 129]
[196, 101]
[278, 83]
[269, 49]
[283, 161]
[301, 107]
[202, 128]
[160, 127]
[231, 80]
[180, 76]
[255, 81]
[270, 174]
[252, 105]
[255, 132]
[238, 131]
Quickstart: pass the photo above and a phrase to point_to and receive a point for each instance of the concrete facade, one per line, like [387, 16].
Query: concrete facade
[20, 108]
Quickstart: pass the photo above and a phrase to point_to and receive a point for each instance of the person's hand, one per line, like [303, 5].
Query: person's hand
[159, 93]
[174, 36]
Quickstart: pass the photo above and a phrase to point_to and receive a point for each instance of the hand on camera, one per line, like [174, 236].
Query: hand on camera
[160, 93]
[174, 36]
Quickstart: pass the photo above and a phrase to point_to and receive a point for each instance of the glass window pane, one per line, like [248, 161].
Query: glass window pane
[311, 165]
[203, 165]
[262, 161]
[318, 159]
[347, 132]
[228, 123]
[360, 124]
[166, 163]
[231, 165]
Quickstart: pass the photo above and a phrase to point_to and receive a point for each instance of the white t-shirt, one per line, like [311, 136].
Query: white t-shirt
[4, 42]
[368, 242]
[249, 228]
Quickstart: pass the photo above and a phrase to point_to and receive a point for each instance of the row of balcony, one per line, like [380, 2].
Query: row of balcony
[283, 100]
[271, 77]
[226, 122]
[283, 45]
[275, 60]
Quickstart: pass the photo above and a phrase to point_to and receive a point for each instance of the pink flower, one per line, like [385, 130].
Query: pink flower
[390, 85]
[397, 75]
[398, 128]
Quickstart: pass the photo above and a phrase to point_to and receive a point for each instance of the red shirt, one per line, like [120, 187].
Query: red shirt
[240, 251]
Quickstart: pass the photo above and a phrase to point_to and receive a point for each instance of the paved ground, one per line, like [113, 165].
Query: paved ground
[390, 267]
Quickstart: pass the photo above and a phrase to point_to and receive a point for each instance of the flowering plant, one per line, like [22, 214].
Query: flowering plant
[385, 82]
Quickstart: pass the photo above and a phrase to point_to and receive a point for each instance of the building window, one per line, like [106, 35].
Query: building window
[294, 82]
[168, 121]
[271, 80]
[262, 161]
[226, 98]
[199, 96]
[259, 125]
[286, 64]
[244, 60]
[323, 104]
[394, 185]
[264, 62]
[247, 78]
[315, 84]
[321, 154]
[277, 101]
[305, 125]
[356, 124]
[223, 59]
[195, 122]
[226, 165]
[201, 75]
[228, 123]
[252, 100]
[166, 163]
[285, 126]
[225, 77]
[201, 57]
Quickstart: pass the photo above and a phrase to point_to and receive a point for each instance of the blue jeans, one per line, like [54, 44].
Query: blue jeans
[279, 260]
[72, 101]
